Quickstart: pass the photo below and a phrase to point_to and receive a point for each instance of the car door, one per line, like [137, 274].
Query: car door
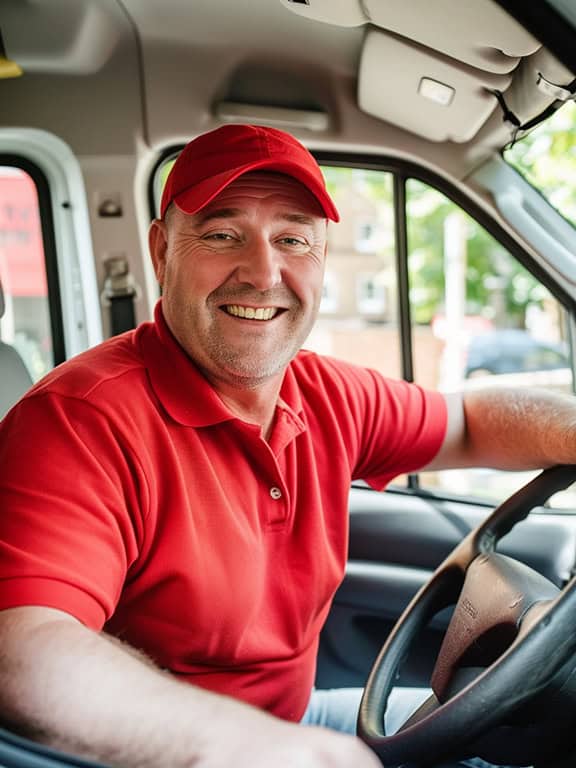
[413, 275]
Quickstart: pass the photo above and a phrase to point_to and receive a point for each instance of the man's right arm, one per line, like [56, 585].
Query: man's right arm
[88, 694]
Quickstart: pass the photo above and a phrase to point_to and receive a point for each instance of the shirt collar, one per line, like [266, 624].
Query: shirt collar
[180, 386]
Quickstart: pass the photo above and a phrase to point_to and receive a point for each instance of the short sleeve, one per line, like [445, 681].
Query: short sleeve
[385, 427]
[403, 429]
[71, 495]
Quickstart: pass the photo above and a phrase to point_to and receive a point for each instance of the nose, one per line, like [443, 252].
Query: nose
[260, 265]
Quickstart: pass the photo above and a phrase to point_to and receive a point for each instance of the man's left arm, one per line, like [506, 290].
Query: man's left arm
[508, 429]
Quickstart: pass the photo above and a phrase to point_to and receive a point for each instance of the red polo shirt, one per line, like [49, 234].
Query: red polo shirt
[133, 499]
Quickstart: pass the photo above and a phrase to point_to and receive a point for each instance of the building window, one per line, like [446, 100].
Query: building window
[330, 294]
[371, 294]
[368, 237]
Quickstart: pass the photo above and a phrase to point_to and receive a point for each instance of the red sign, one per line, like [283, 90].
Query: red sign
[22, 265]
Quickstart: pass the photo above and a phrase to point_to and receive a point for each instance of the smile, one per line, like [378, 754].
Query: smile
[250, 313]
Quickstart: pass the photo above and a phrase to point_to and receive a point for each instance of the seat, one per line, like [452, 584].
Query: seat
[15, 378]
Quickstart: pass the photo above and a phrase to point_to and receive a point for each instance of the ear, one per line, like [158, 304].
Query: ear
[158, 245]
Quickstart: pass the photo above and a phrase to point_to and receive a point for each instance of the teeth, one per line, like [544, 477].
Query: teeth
[249, 313]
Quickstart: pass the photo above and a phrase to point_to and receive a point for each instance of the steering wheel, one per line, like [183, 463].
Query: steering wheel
[506, 664]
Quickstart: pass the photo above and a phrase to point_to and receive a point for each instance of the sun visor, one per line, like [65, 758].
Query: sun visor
[344, 13]
[479, 32]
[441, 81]
[429, 94]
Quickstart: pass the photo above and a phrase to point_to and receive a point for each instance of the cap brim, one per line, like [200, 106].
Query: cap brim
[200, 194]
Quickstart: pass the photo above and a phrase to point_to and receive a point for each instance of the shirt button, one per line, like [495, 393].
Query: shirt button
[276, 493]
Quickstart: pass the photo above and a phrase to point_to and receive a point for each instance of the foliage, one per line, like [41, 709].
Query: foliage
[375, 186]
[497, 286]
[547, 158]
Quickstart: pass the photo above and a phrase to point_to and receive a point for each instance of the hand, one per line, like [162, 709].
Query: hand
[286, 745]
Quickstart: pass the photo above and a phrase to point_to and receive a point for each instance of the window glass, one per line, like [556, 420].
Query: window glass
[25, 324]
[480, 319]
[358, 314]
[159, 181]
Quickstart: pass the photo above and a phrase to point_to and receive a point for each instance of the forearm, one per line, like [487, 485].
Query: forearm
[84, 693]
[509, 429]
[521, 429]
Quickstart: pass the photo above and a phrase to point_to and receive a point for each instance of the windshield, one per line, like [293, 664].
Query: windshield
[546, 157]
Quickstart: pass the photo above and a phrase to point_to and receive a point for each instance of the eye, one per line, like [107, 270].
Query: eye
[294, 241]
[218, 236]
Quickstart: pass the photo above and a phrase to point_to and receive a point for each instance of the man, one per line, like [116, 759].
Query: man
[175, 500]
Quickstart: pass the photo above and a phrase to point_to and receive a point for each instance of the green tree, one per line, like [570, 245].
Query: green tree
[547, 158]
[496, 284]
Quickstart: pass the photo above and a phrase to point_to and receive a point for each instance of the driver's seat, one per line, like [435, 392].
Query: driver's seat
[14, 376]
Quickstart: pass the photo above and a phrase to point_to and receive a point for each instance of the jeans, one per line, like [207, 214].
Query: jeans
[337, 708]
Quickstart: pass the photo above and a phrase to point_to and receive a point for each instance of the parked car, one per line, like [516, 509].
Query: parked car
[513, 351]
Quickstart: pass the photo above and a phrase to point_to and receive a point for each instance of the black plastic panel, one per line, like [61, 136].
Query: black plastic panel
[419, 532]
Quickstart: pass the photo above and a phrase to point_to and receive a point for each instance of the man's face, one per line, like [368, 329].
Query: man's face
[242, 279]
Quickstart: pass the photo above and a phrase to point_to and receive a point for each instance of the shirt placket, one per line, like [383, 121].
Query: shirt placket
[286, 428]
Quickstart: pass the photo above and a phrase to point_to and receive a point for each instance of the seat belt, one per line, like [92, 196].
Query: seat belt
[559, 93]
[119, 294]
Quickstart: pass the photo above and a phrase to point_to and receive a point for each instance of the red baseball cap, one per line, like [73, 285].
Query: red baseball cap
[213, 160]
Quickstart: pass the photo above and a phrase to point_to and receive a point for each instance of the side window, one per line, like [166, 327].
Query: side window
[25, 324]
[477, 316]
[480, 318]
[358, 315]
